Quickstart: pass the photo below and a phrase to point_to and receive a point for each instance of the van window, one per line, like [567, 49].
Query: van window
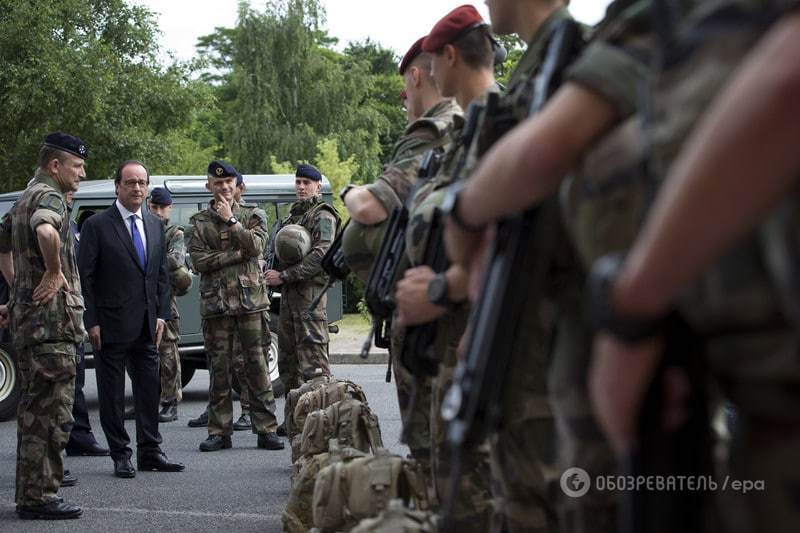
[182, 212]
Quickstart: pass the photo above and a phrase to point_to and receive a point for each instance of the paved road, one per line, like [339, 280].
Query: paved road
[243, 489]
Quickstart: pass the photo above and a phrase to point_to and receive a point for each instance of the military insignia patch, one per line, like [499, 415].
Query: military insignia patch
[219, 171]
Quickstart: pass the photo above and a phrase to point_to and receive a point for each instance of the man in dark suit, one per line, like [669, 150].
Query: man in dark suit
[127, 296]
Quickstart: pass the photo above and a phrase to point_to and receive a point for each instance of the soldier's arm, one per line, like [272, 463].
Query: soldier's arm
[6, 255]
[740, 161]
[253, 238]
[176, 251]
[204, 258]
[321, 239]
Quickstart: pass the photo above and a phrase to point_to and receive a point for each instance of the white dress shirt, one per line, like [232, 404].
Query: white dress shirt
[126, 217]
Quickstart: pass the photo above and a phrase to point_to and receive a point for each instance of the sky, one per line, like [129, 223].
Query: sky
[394, 24]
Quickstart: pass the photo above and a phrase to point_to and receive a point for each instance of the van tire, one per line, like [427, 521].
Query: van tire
[9, 382]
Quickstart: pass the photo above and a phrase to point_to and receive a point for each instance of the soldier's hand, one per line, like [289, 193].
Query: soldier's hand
[49, 286]
[223, 208]
[411, 296]
[94, 338]
[273, 278]
[160, 324]
[619, 377]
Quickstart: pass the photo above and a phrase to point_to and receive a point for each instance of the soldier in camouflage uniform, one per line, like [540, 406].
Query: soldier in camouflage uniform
[303, 332]
[225, 245]
[46, 310]
[169, 358]
[462, 67]
[430, 126]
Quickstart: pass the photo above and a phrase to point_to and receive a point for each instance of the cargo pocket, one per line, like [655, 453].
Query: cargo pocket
[328, 504]
[212, 299]
[253, 293]
[74, 320]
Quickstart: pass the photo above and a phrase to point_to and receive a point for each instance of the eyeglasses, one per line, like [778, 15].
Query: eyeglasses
[141, 184]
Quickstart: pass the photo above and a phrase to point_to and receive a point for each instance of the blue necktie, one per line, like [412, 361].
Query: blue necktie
[137, 241]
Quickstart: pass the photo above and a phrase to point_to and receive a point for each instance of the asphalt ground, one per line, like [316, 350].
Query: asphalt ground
[240, 490]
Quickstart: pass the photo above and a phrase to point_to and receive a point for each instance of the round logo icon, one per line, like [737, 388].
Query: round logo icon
[575, 482]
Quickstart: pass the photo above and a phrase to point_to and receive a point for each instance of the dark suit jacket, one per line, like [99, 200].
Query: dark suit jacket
[117, 293]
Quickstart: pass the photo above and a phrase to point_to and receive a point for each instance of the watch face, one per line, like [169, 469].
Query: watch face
[437, 290]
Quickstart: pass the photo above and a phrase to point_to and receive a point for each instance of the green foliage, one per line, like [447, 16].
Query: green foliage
[90, 68]
[515, 48]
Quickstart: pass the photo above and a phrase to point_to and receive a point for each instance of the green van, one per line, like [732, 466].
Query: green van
[273, 193]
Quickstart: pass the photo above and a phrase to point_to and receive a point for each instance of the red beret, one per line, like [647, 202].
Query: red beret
[413, 52]
[451, 27]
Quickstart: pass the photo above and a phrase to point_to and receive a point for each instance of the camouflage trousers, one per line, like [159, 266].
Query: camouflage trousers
[580, 441]
[238, 369]
[219, 334]
[169, 367]
[44, 419]
[472, 507]
[302, 334]
[414, 398]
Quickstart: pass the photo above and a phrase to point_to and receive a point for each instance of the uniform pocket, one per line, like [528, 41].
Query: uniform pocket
[253, 293]
[212, 298]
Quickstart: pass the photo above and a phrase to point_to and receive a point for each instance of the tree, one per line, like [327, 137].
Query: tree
[91, 68]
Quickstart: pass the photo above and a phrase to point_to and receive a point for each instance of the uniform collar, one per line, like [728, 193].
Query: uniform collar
[42, 177]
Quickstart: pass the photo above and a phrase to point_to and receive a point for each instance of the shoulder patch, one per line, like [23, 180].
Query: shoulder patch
[54, 202]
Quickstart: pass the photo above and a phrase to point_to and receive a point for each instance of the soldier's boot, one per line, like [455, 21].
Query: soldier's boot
[243, 423]
[201, 421]
[53, 510]
[270, 441]
[281, 431]
[169, 412]
[215, 442]
[69, 479]
[130, 414]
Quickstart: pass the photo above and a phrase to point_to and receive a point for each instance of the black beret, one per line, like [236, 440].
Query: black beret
[221, 169]
[307, 171]
[413, 52]
[239, 180]
[161, 196]
[67, 143]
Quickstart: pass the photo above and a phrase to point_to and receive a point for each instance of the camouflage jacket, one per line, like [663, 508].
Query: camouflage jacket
[176, 257]
[227, 259]
[321, 220]
[431, 130]
[61, 320]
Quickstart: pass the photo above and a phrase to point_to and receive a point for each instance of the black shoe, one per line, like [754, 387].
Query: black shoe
[123, 468]
[281, 431]
[169, 413]
[270, 441]
[215, 442]
[130, 414]
[54, 510]
[90, 450]
[69, 479]
[243, 423]
[157, 462]
[199, 422]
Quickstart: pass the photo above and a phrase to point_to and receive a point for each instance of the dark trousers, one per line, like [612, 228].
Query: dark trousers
[81, 435]
[141, 357]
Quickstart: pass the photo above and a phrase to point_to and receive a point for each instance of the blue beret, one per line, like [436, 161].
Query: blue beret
[221, 169]
[161, 196]
[239, 180]
[307, 171]
[67, 143]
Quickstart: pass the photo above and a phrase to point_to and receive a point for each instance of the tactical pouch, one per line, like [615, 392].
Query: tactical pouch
[324, 396]
[397, 517]
[346, 493]
[293, 396]
[349, 421]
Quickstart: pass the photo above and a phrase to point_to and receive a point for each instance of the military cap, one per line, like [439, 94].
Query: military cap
[239, 180]
[413, 52]
[67, 143]
[452, 26]
[161, 196]
[308, 171]
[221, 169]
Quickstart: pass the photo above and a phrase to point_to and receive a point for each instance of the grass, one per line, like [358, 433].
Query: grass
[353, 329]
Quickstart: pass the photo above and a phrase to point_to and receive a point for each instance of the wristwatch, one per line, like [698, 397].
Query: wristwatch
[437, 291]
[450, 208]
[602, 315]
[232, 221]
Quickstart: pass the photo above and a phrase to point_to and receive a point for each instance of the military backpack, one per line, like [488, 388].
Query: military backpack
[349, 421]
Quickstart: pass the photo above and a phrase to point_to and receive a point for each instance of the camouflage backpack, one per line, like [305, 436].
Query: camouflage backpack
[349, 421]
[397, 518]
[346, 493]
[294, 395]
[298, 516]
[324, 396]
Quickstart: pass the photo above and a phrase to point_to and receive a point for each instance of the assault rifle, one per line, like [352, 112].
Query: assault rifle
[472, 405]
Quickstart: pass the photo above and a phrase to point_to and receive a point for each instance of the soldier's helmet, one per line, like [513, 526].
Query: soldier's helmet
[419, 224]
[360, 245]
[292, 243]
[181, 280]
